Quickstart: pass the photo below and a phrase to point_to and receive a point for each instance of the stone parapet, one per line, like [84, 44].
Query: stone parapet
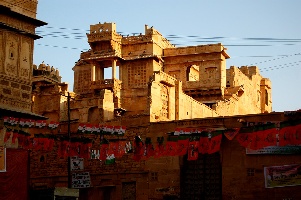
[103, 36]
[211, 48]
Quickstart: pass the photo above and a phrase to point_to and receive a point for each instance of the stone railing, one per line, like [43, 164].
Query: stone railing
[193, 50]
[106, 84]
[93, 37]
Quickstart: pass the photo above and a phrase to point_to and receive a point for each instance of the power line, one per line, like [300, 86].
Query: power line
[282, 66]
[171, 37]
[282, 57]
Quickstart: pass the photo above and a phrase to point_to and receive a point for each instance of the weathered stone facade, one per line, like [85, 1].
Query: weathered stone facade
[169, 83]
[17, 34]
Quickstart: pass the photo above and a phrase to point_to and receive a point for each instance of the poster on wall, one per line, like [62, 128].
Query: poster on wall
[282, 176]
[76, 163]
[81, 180]
[2, 159]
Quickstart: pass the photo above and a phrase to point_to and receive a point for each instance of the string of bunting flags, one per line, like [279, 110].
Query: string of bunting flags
[101, 129]
[29, 123]
[182, 141]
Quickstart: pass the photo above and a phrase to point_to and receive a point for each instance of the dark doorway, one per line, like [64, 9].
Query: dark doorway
[202, 179]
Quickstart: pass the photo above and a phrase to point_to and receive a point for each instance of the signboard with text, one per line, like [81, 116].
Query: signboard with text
[81, 180]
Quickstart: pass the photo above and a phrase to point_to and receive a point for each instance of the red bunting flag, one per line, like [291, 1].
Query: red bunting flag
[286, 135]
[51, 144]
[121, 149]
[7, 135]
[159, 150]
[298, 134]
[21, 139]
[113, 148]
[204, 145]
[85, 150]
[149, 151]
[193, 150]
[171, 148]
[74, 149]
[15, 136]
[27, 142]
[139, 149]
[257, 141]
[231, 133]
[269, 136]
[244, 139]
[182, 147]
[215, 144]
[103, 151]
[63, 150]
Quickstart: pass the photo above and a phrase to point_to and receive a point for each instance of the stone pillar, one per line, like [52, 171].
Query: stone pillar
[114, 69]
[93, 73]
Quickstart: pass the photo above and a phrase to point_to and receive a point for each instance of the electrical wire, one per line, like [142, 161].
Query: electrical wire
[79, 35]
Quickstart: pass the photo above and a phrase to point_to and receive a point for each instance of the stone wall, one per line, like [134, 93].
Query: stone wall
[16, 68]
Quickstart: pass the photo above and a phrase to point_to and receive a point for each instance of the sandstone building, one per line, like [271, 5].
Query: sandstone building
[170, 83]
[154, 88]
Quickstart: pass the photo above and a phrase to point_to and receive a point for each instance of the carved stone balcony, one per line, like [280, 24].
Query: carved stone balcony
[112, 84]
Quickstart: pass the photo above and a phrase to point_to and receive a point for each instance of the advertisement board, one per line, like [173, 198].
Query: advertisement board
[282, 176]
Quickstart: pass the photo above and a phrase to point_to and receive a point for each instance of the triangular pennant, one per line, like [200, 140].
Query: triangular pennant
[231, 133]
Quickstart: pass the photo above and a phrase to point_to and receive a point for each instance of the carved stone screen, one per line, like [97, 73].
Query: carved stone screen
[137, 76]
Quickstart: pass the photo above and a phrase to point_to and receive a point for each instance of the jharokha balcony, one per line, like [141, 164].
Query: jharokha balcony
[106, 84]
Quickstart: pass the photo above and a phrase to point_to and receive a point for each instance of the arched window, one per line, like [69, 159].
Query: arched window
[266, 97]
